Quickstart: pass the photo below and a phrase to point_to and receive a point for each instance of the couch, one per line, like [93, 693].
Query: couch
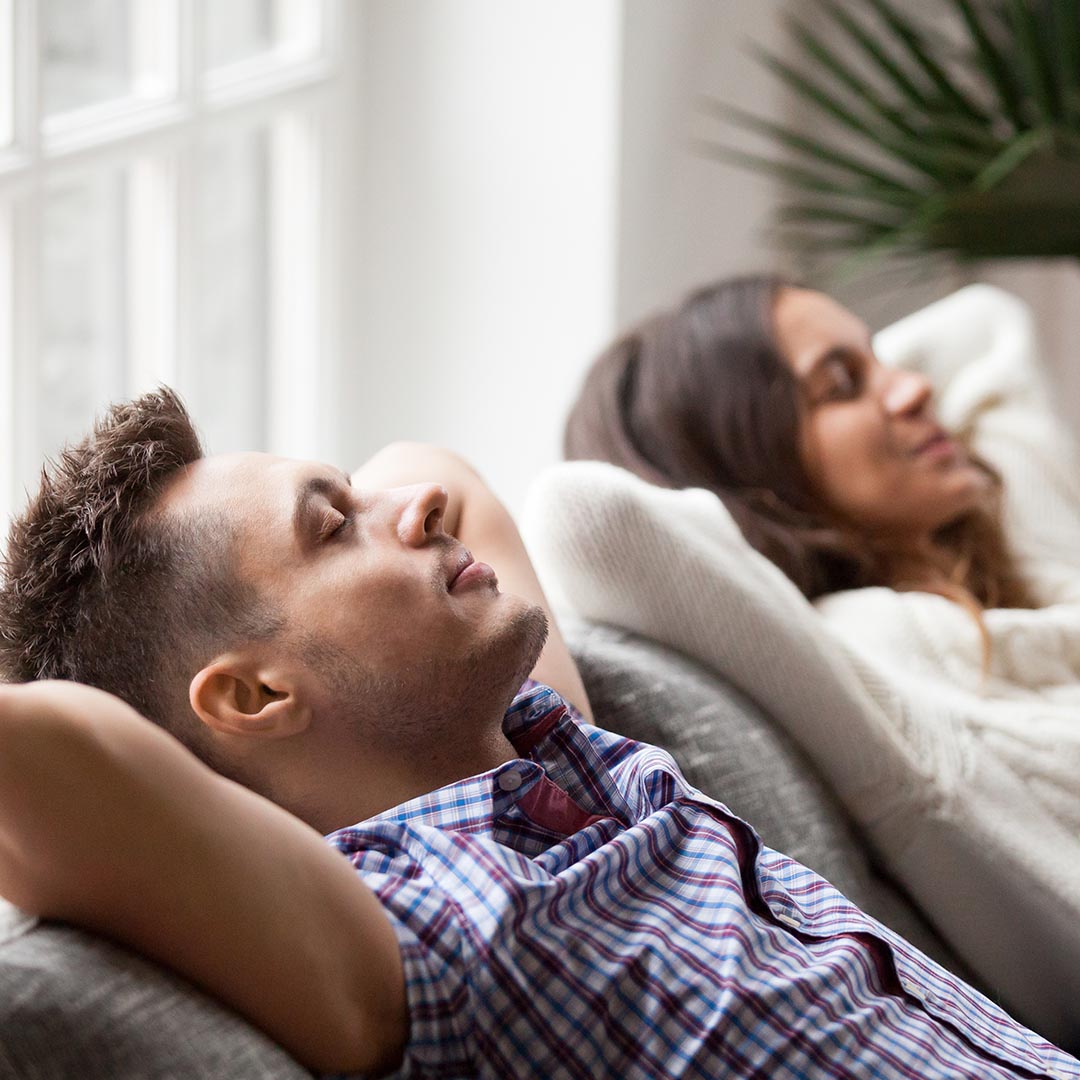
[75, 1005]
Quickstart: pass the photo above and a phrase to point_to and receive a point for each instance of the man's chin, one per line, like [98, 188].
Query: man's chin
[528, 633]
[532, 628]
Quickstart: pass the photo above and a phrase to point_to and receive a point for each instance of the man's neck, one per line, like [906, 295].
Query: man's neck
[334, 790]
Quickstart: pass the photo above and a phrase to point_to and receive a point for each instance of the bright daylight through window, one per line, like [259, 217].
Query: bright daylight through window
[163, 187]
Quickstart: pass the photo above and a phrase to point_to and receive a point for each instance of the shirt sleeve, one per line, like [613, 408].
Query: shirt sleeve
[436, 956]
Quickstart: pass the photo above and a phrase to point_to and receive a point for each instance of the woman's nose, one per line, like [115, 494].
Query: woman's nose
[906, 392]
[422, 510]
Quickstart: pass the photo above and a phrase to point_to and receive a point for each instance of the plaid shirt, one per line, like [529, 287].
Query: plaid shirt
[582, 911]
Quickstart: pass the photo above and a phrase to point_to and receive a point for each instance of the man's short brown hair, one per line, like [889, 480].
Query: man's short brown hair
[100, 589]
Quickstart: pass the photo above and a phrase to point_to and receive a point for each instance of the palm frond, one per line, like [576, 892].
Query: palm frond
[941, 163]
[827, 214]
[798, 177]
[1033, 63]
[993, 63]
[814, 148]
[966, 133]
[913, 94]
[1009, 160]
[814, 48]
[928, 146]
[1068, 57]
[908, 36]
[813, 92]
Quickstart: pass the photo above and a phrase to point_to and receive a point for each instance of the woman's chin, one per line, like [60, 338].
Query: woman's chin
[968, 489]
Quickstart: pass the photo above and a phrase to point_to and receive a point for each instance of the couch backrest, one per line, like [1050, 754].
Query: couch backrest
[730, 749]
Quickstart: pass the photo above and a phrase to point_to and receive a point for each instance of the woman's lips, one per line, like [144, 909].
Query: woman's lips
[939, 448]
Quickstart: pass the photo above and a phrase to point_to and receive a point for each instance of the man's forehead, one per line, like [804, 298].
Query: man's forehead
[216, 481]
[239, 484]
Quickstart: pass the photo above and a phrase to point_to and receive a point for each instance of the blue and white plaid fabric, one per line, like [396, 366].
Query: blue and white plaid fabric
[583, 912]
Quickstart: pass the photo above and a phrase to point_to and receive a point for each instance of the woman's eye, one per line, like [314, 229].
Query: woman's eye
[841, 379]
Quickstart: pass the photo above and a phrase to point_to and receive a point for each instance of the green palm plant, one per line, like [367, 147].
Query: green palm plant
[968, 146]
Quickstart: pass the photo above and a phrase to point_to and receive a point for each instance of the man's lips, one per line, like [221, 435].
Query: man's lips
[464, 561]
[467, 569]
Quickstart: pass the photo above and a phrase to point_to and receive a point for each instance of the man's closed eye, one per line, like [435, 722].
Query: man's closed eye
[334, 523]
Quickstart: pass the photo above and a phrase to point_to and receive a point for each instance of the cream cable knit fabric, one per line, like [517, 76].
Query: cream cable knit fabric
[968, 789]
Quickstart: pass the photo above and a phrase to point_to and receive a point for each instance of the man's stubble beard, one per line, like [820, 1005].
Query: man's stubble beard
[409, 710]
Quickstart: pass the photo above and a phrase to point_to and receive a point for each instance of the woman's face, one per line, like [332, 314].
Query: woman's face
[870, 443]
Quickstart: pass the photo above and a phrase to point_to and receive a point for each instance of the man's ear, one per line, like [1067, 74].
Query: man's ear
[234, 696]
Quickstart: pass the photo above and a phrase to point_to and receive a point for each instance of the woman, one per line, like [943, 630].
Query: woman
[833, 465]
[937, 685]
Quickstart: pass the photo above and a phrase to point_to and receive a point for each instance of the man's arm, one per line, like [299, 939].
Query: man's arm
[476, 517]
[108, 822]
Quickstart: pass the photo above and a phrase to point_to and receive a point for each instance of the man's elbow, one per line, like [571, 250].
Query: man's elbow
[361, 1036]
[46, 758]
[412, 462]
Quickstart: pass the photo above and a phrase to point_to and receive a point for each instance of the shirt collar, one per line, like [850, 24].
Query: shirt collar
[535, 710]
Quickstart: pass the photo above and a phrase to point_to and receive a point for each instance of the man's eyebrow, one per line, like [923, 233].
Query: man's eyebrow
[309, 491]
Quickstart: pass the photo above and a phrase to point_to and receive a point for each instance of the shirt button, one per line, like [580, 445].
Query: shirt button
[510, 780]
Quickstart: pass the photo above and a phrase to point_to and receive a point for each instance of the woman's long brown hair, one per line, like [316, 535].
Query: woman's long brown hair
[700, 396]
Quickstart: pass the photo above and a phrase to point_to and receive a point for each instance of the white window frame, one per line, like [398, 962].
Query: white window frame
[7, 76]
[153, 134]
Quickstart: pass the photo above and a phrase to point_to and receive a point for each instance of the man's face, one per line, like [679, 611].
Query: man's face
[397, 635]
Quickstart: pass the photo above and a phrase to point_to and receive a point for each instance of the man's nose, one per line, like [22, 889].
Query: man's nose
[422, 510]
[906, 392]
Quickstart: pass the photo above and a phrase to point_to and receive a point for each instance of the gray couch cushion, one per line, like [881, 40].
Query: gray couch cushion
[75, 1006]
[731, 750]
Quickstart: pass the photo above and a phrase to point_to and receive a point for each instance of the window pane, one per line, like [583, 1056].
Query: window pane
[8, 464]
[7, 73]
[82, 346]
[226, 373]
[237, 30]
[86, 54]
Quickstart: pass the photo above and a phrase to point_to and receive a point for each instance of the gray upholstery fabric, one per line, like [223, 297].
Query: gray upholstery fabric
[76, 1007]
[731, 750]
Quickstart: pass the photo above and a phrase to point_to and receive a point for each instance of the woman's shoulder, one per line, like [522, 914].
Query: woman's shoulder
[906, 627]
[874, 600]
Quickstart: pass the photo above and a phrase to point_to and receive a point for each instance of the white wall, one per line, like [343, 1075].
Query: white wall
[686, 218]
[527, 185]
[482, 269]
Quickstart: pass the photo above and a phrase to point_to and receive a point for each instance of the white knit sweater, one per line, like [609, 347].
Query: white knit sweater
[967, 786]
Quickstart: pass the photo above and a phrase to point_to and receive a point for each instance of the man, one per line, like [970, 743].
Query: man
[527, 895]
